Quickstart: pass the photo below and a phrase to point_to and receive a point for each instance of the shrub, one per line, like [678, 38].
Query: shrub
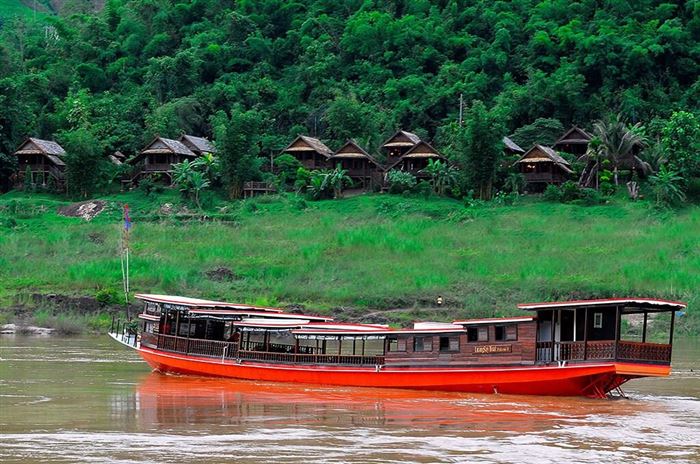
[590, 197]
[107, 296]
[552, 193]
[570, 191]
[400, 181]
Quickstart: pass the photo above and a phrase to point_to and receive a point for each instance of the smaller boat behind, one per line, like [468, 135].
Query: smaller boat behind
[572, 348]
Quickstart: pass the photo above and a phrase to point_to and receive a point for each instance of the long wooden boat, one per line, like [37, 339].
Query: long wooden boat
[573, 348]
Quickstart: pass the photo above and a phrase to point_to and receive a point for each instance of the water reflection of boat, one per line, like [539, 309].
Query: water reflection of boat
[564, 349]
[169, 401]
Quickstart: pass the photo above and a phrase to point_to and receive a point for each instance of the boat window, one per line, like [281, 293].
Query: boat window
[374, 347]
[449, 343]
[597, 320]
[506, 332]
[396, 344]
[422, 343]
[477, 334]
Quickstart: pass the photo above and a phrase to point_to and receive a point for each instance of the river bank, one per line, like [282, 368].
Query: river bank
[370, 258]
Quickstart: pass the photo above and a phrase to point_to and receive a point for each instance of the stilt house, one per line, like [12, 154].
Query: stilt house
[198, 145]
[44, 158]
[416, 159]
[398, 144]
[311, 152]
[542, 166]
[360, 165]
[158, 157]
[574, 141]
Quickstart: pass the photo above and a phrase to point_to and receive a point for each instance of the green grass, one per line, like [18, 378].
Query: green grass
[357, 255]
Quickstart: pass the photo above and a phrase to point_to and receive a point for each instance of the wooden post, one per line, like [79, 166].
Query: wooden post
[617, 330]
[177, 323]
[552, 338]
[673, 320]
[585, 335]
[644, 328]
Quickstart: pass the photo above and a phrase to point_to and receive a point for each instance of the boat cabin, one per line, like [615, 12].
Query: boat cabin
[613, 329]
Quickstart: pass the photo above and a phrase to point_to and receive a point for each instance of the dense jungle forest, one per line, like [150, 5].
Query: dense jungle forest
[339, 69]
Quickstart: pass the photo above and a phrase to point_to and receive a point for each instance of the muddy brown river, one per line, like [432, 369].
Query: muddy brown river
[91, 400]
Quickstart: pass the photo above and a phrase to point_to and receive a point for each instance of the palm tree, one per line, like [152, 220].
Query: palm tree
[617, 144]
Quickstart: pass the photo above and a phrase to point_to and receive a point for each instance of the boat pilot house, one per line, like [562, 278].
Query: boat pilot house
[567, 348]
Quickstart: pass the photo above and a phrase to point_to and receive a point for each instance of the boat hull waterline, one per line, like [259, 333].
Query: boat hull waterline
[593, 380]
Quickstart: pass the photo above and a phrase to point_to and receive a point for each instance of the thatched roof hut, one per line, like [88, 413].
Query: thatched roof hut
[574, 141]
[542, 165]
[311, 152]
[416, 159]
[198, 145]
[398, 144]
[48, 149]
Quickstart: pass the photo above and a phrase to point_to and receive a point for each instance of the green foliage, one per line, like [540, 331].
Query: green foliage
[359, 70]
[108, 296]
[481, 149]
[327, 184]
[668, 187]
[28, 184]
[544, 131]
[570, 192]
[681, 143]
[400, 181]
[238, 137]
[85, 162]
[443, 176]
[287, 167]
[8, 167]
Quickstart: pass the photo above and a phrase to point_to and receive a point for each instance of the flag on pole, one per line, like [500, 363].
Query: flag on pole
[127, 219]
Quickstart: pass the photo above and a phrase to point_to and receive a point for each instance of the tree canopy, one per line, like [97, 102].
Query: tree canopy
[343, 69]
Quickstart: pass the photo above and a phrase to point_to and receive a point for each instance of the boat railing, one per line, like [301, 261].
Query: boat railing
[211, 348]
[607, 350]
[253, 352]
[311, 358]
[124, 332]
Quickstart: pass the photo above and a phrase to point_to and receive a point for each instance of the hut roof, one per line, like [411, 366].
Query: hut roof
[420, 150]
[200, 144]
[39, 146]
[306, 143]
[163, 145]
[542, 154]
[50, 149]
[574, 136]
[401, 138]
[512, 146]
[352, 150]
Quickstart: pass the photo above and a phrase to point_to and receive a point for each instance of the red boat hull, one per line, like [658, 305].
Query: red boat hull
[594, 380]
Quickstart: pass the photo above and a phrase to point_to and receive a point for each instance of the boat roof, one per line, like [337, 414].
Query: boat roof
[199, 303]
[643, 303]
[277, 315]
[495, 320]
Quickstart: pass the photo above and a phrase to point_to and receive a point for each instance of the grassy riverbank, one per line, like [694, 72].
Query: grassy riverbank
[369, 257]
